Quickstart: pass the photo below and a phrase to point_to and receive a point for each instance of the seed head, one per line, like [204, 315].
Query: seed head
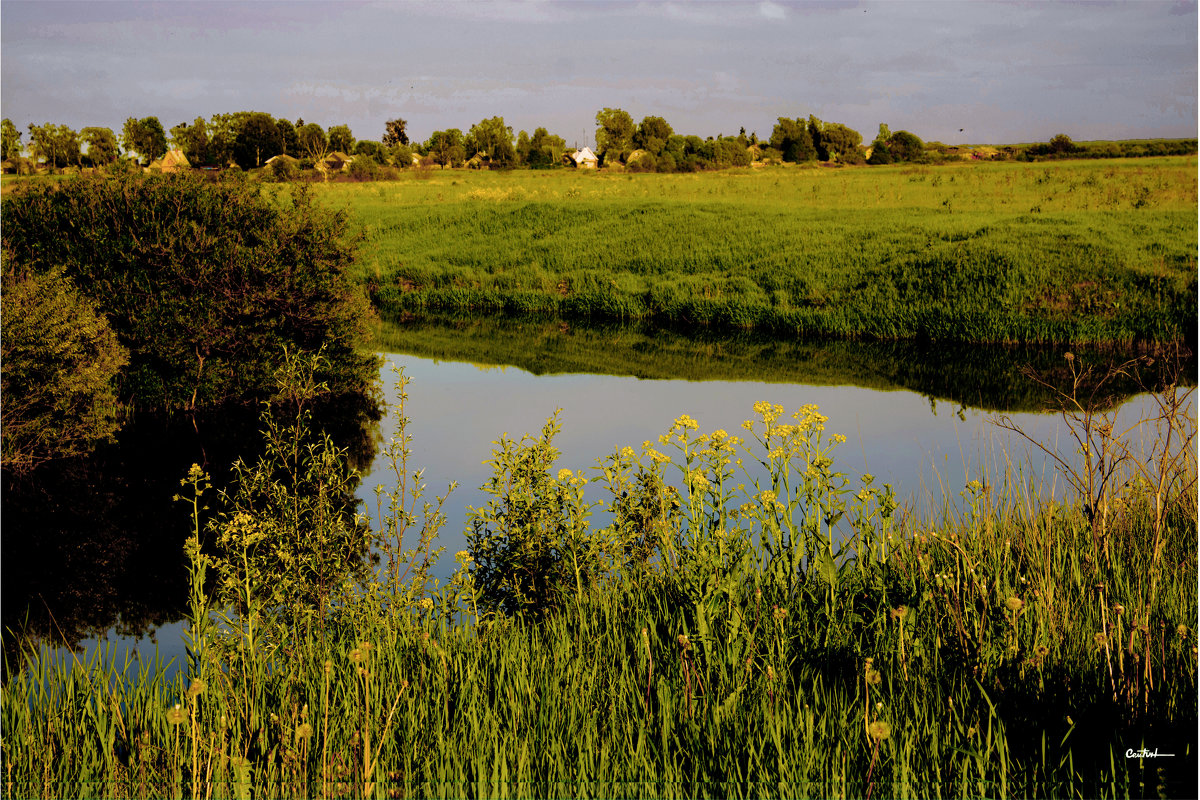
[879, 730]
[304, 731]
[175, 715]
[197, 688]
[873, 677]
[1182, 631]
[1014, 604]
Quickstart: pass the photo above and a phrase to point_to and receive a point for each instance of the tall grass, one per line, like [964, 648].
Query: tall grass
[798, 635]
[1063, 252]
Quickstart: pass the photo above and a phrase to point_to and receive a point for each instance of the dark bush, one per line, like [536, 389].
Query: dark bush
[205, 283]
[364, 168]
[283, 170]
[60, 361]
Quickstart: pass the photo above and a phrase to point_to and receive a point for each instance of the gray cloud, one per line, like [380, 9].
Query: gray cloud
[1004, 71]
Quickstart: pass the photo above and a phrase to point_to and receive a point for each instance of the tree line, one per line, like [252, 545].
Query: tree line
[249, 139]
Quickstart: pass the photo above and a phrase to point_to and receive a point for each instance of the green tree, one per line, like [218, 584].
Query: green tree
[287, 135]
[401, 155]
[839, 143]
[523, 147]
[880, 150]
[394, 132]
[545, 149]
[257, 139]
[724, 153]
[101, 145]
[193, 141]
[905, 146]
[792, 139]
[375, 150]
[57, 145]
[652, 135]
[145, 137]
[10, 140]
[205, 283]
[676, 147]
[313, 142]
[341, 139]
[614, 134]
[59, 362]
[494, 139]
[1061, 143]
[222, 135]
[446, 147]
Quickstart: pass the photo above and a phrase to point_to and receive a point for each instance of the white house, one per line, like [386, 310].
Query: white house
[585, 159]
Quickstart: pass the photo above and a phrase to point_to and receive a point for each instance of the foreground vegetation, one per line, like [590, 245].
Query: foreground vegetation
[744, 620]
[1063, 252]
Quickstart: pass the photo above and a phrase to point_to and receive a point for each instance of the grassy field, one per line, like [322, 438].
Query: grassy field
[1066, 252]
[799, 637]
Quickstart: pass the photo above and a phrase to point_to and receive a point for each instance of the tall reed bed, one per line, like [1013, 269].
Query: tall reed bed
[797, 634]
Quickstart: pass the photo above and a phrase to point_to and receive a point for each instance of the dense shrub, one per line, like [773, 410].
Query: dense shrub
[364, 168]
[60, 361]
[206, 283]
[283, 170]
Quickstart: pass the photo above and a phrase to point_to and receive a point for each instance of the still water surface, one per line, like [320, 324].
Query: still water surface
[926, 448]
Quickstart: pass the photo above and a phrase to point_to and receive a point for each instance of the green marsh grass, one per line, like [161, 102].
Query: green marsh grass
[1064, 252]
[796, 636]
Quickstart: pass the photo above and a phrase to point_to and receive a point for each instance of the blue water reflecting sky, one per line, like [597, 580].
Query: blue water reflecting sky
[458, 410]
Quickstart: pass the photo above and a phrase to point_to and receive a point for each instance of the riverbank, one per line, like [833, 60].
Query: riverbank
[800, 637]
[1064, 252]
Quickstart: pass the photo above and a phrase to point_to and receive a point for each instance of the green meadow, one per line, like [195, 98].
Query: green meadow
[1100, 252]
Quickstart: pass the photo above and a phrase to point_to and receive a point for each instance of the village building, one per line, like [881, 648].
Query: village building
[172, 161]
[584, 159]
[282, 157]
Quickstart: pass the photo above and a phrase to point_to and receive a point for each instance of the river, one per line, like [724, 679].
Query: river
[97, 557]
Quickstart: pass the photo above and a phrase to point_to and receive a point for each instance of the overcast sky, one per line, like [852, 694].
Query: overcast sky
[1001, 72]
